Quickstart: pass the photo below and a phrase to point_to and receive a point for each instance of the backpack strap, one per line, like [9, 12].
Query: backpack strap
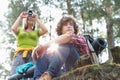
[93, 56]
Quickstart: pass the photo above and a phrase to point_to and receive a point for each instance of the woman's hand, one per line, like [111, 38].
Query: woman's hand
[35, 16]
[23, 15]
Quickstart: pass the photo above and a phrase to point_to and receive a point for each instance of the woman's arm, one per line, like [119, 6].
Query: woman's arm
[43, 29]
[15, 25]
[17, 22]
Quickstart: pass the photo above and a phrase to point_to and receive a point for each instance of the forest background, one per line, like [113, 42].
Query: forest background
[98, 18]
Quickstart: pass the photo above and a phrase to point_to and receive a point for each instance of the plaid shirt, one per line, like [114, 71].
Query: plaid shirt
[80, 43]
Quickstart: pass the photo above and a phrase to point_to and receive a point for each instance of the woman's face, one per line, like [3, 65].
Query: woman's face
[69, 26]
[30, 20]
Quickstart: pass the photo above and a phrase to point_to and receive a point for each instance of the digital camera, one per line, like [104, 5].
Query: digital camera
[30, 13]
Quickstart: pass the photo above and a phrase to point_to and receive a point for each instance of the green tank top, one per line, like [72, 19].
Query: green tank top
[27, 39]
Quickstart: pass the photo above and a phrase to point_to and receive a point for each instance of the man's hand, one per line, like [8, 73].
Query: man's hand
[39, 51]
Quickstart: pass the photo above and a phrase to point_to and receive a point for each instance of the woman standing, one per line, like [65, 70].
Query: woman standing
[27, 37]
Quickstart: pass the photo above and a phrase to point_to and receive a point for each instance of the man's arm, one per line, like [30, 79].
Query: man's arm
[39, 50]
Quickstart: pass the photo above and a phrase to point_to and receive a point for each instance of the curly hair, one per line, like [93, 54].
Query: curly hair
[63, 21]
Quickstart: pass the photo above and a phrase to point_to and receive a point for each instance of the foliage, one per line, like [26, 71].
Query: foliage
[3, 72]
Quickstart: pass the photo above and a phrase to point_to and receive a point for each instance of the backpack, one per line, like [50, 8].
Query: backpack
[98, 44]
[24, 67]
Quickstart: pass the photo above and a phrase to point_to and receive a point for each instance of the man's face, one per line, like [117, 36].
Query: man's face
[69, 26]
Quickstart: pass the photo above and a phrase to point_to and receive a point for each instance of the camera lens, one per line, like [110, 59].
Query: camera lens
[30, 12]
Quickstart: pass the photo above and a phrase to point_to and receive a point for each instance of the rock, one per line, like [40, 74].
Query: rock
[93, 72]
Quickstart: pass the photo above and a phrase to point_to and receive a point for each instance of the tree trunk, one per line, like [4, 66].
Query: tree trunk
[69, 8]
[109, 26]
[116, 54]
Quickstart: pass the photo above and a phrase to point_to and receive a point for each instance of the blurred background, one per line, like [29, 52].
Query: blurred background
[98, 18]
